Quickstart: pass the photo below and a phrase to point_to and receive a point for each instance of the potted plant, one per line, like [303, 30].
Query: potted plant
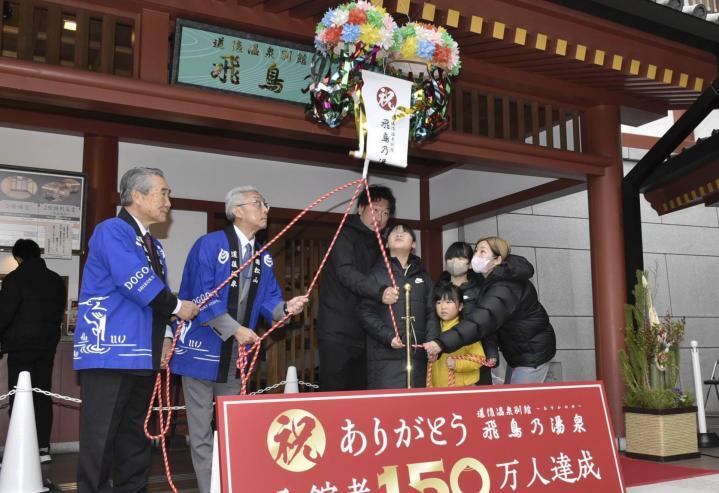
[660, 418]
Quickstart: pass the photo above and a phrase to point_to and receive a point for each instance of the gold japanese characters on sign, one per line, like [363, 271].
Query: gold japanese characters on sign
[226, 60]
[296, 440]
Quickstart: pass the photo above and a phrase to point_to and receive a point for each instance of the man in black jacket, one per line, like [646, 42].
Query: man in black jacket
[345, 281]
[32, 303]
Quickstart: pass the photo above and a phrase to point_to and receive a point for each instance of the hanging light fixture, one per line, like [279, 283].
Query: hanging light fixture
[69, 24]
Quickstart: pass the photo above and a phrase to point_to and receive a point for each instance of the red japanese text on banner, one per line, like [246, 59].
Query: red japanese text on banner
[550, 438]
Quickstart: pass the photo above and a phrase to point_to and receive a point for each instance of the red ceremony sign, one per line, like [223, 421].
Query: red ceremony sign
[543, 438]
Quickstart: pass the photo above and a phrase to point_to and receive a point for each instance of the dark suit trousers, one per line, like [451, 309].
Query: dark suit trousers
[342, 366]
[113, 444]
[39, 364]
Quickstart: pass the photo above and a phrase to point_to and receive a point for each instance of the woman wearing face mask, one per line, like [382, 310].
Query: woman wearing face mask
[508, 306]
[457, 261]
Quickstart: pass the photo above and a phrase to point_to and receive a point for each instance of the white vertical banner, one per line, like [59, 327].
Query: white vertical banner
[387, 139]
[58, 241]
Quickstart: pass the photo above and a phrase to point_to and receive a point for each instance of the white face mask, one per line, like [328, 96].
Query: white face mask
[457, 268]
[480, 265]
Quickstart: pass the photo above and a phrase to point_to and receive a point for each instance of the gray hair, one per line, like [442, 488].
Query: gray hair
[234, 197]
[137, 178]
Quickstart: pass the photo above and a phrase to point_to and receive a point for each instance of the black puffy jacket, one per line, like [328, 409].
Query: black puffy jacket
[345, 281]
[508, 306]
[385, 365]
[32, 304]
[470, 295]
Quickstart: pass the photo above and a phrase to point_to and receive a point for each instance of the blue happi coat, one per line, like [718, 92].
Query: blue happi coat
[200, 352]
[114, 320]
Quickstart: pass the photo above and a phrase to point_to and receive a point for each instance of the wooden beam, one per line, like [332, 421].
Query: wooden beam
[541, 193]
[117, 97]
[82, 40]
[25, 30]
[241, 17]
[281, 5]
[53, 34]
[153, 48]
[312, 8]
[206, 141]
[107, 45]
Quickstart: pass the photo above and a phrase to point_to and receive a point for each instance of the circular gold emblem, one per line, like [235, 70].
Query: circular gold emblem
[296, 440]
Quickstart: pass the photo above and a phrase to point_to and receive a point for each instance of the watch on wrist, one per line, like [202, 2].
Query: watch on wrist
[284, 308]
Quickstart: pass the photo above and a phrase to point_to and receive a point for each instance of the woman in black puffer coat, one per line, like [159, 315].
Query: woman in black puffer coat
[386, 356]
[457, 260]
[508, 306]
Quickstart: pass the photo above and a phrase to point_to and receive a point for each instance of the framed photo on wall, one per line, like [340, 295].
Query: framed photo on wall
[46, 206]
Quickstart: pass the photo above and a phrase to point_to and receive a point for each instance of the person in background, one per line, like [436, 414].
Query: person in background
[507, 305]
[206, 350]
[32, 304]
[345, 281]
[448, 303]
[386, 360]
[458, 272]
[124, 307]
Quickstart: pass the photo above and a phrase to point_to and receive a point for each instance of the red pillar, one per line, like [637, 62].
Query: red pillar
[602, 136]
[431, 237]
[99, 163]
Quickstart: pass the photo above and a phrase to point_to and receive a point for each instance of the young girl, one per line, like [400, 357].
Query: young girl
[458, 258]
[448, 302]
[386, 353]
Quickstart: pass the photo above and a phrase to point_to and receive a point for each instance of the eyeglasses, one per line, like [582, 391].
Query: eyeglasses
[257, 203]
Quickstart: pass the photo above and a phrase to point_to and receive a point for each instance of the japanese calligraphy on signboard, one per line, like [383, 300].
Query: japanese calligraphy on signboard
[217, 58]
[44, 206]
[552, 438]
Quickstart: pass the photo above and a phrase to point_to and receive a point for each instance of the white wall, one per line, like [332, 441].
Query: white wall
[462, 188]
[710, 123]
[681, 251]
[657, 128]
[50, 151]
[205, 176]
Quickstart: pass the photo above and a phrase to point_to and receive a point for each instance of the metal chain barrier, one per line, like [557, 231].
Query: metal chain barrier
[5, 396]
[156, 408]
[56, 396]
[313, 386]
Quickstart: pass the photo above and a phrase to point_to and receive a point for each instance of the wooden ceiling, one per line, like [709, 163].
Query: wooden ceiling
[545, 40]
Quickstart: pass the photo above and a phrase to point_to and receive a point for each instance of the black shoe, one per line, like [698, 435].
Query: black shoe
[45, 455]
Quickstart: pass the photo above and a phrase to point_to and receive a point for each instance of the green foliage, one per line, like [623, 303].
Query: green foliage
[650, 364]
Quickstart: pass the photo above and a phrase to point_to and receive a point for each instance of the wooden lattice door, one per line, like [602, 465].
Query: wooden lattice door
[297, 256]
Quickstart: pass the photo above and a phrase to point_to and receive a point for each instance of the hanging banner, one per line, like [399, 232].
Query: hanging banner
[387, 139]
[540, 438]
